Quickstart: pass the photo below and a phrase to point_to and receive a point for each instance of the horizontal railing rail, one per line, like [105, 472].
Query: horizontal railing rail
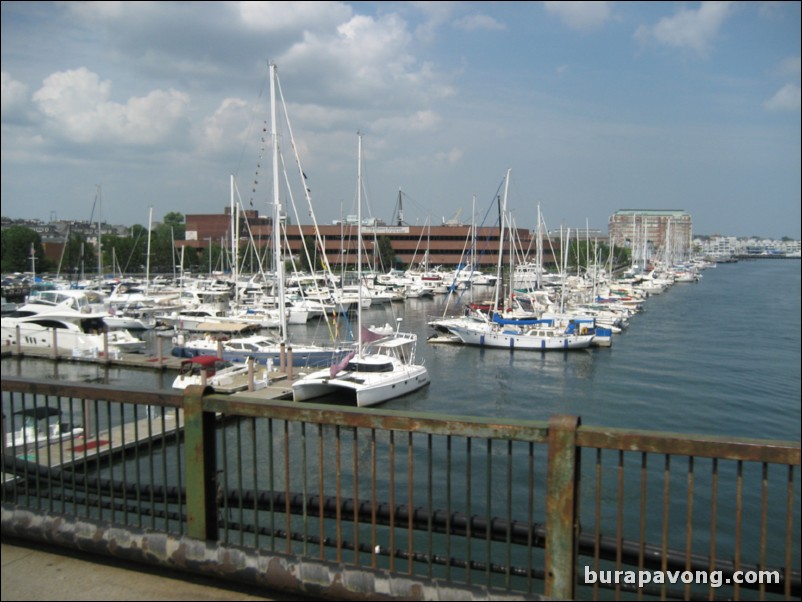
[528, 508]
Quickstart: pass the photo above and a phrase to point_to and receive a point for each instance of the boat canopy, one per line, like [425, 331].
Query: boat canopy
[519, 322]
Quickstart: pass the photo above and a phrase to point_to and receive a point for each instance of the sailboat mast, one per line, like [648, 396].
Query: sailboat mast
[502, 215]
[234, 255]
[359, 242]
[99, 235]
[279, 266]
[147, 259]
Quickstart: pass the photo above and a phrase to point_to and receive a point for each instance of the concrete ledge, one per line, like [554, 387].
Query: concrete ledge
[244, 566]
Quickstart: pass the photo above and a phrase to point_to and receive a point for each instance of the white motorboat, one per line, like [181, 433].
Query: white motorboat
[81, 332]
[223, 376]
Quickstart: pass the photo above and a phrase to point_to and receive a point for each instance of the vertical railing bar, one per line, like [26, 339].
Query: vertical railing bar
[468, 508]
[338, 492]
[689, 524]
[180, 469]
[410, 504]
[165, 451]
[356, 498]
[74, 457]
[62, 453]
[287, 487]
[619, 529]
[255, 480]
[240, 507]
[152, 469]
[392, 501]
[373, 534]
[530, 518]
[111, 463]
[49, 459]
[137, 469]
[666, 498]
[223, 476]
[321, 523]
[713, 521]
[30, 491]
[449, 443]
[508, 542]
[85, 455]
[98, 459]
[489, 511]
[304, 491]
[271, 477]
[123, 462]
[642, 534]
[597, 532]
[789, 525]
[37, 483]
[430, 506]
[764, 511]
[738, 517]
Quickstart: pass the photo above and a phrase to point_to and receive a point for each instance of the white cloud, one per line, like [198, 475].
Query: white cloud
[474, 22]
[422, 121]
[688, 29]
[788, 98]
[303, 16]
[366, 59]
[78, 106]
[451, 157]
[792, 66]
[582, 16]
[13, 94]
[227, 127]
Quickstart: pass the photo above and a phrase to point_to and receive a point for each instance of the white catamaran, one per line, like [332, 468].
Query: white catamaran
[381, 368]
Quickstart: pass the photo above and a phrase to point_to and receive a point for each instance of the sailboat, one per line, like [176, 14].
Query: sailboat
[492, 330]
[379, 369]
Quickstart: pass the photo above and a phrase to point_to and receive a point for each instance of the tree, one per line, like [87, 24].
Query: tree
[175, 221]
[387, 258]
[15, 254]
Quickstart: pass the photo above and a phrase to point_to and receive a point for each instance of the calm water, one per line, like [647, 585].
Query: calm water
[721, 356]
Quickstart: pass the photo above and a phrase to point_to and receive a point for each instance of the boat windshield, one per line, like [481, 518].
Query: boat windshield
[369, 367]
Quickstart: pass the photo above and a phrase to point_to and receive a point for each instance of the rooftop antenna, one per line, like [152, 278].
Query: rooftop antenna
[400, 212]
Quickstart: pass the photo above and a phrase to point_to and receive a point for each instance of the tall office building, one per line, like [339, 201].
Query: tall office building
[652, 233]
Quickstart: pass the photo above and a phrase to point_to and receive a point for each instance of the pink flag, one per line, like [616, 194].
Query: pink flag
[335, 368]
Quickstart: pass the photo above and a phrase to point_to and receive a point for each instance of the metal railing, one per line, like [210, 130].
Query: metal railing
[345, 499]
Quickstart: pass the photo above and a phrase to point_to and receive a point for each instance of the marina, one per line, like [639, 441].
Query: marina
[682, 364]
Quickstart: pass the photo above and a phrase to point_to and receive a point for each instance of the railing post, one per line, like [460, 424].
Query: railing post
[201, 452]
[562, 508]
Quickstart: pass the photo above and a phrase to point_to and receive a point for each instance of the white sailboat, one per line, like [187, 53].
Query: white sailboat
[381, 368]
[492, 330]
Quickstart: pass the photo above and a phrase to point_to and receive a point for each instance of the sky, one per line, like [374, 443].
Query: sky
[125, 110]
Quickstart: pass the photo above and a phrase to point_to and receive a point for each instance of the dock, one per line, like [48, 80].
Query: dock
[279, 384]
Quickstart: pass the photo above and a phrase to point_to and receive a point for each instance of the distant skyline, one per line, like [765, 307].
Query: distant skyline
[594, 106]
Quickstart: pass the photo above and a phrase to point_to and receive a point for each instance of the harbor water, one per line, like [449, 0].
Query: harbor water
[720, 356]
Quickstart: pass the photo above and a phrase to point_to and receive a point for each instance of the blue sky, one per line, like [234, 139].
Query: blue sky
[594, 107]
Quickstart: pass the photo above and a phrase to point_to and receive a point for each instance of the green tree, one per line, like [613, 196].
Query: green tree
[387, 257]
[175, 221]
[78, 257]
[15, 249]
